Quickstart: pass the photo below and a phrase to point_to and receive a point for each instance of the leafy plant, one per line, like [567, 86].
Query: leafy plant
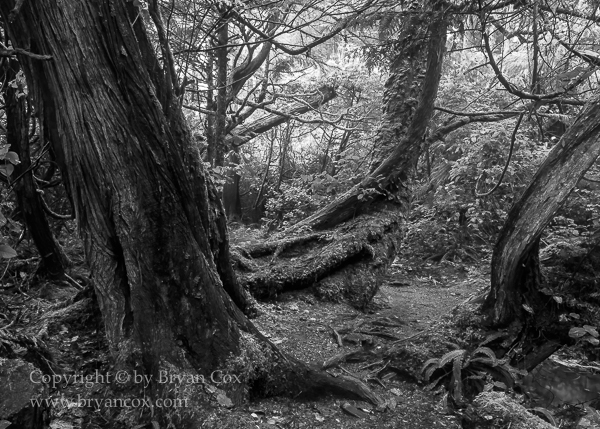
[466, 373]
[585, 333]
[7, 161]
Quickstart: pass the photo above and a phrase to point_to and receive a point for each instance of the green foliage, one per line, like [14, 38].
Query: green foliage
[7, 161]
[585, 333]
[300, 197]
[464, 374]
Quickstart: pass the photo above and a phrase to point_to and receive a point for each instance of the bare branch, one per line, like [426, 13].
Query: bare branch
[341, 25]
[244, 133]
[15, 51]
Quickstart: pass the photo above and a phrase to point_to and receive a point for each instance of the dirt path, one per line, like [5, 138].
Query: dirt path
[412, 301]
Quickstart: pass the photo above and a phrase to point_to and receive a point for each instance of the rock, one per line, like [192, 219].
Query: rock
[18, 389]
[496, 407]
[554, 383]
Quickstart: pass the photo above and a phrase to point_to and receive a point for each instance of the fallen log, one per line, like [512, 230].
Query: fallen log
[349, 262]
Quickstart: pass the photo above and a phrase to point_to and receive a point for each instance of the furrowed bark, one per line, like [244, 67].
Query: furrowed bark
[515, 262]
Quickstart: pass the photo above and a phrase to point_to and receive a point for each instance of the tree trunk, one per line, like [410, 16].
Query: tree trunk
[53, 260]
[222, 99]
[515, 263]
[386, 180]
[231, 188]
[258, 206]
[151, 220]
[210, 105]
[405, 84]
[352, 261]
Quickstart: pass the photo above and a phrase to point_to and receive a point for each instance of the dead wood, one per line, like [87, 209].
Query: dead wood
[348, 262]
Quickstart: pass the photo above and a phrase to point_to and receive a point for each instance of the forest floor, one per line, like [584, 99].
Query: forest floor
[424, 308]
[411, 302]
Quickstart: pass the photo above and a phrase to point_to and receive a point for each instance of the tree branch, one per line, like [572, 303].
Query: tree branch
[512, 89]
[244, 133]
[15, 51]
[338, 28]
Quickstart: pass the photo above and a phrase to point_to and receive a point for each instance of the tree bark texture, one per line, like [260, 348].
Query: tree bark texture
[151, 219]
[515, 262]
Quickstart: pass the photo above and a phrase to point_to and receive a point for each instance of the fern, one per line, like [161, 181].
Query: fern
[432, 361]
[469, 371]
[488, 352]
[450, 356]
[457, 377]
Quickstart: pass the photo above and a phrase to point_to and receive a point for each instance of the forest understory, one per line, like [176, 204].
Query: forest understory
[425, 307]
[289, 214]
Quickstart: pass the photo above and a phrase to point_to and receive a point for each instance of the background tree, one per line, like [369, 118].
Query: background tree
[31, 208]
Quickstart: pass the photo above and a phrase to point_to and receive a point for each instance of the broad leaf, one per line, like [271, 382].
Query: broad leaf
[591, 330]
[12, 157]
[577, 332]
[7, 252]
[7, 169]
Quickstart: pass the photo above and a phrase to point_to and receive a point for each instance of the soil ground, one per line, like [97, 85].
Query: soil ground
[412, 300]
[417, 308]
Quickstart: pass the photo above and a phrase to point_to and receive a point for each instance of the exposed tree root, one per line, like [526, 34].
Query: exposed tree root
[278, 246]
[349, 261]
[353, 356]
[315, 381]
[269, 371]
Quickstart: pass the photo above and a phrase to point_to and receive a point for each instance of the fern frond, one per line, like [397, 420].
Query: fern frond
[492, 337]
[498, 373]
[477, 376]
[432, 361]
[435, 382]
[453, 346]
[450, 356]
[488, 352]
[440, 174]
[430, 372]
[484, 360]
[457, 378]
[546, 413]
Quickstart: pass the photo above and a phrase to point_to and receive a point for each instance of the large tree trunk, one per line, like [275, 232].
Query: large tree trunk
[353, 260]
[515, 263]
[403, 126]
[151, 220]
[53, 260]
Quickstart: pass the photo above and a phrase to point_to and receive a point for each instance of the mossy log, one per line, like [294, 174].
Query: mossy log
[347, 262]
